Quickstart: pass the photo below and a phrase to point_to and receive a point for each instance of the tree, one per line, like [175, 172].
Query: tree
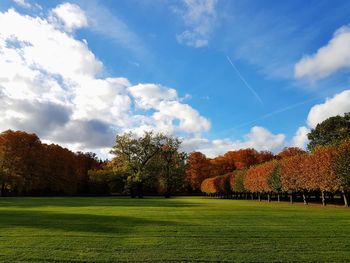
[332, 130]
[274, 180]
[19, 161]
[219, 166]
[239, 181]
[106, 180]
[342, 168]
[319, 174]
[256, 179]
[136, 154]
[292, 174]
[198, 169]
[172, 166]
[289, 152]
[264, 156]
[245, 158]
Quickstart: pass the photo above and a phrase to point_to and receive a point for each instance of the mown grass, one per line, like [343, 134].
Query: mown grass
[184, 229]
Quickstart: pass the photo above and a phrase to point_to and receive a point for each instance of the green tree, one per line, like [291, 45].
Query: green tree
[330, 131]
[135, 155]
[274, 181]
[173, 166]
[239, 181]
[342, 168]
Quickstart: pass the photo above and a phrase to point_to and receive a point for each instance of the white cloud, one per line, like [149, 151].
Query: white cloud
[22, 3]
[199, 17]
[337, 105]
[300, 138]
[258, 138]
[71, 16]
[328, 59]
[150, 95]
[171, 115]
[60, 96]
[190, 38]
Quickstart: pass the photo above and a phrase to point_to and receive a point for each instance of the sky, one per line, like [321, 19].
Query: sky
[220, 74]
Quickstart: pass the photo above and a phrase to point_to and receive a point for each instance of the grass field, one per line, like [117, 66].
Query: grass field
[170, 230]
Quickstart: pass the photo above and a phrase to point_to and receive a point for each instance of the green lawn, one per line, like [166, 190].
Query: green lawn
[170, 230]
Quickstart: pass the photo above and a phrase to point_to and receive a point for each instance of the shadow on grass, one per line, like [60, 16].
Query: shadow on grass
[30, 202]
[67, 222]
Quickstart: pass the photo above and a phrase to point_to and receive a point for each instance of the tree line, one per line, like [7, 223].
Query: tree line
[151, 164]
[155, 164]
[322, 171]
[30, 167]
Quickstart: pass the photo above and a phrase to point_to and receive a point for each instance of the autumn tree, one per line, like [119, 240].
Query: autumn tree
[264, 156]
[290, 152]
[20, 160]
[257, 178]
[292, 175]
[198, 169]
[245, 158]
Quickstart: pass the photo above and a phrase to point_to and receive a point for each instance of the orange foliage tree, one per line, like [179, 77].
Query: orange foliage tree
[257, 178]
[197, 169]
[29, 167]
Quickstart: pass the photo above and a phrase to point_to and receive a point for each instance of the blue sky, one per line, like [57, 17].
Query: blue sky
[187, 45]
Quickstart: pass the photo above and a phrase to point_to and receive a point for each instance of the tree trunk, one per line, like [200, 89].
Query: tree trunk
[278, 197]
[346, 204]
[3, 189]
[323, 198]
[268, 198]
[304, 198]
[140, 189]
[252, 196]
[167, 192]
[317, 196]
[291, 198]
[259, 197]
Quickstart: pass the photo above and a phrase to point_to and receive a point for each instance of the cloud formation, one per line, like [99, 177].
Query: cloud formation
[328, 59]
[300, 138]
[199, 17]
[70, 16]
[258, 138]
[50, 84]
[22, 3]
[337, 105]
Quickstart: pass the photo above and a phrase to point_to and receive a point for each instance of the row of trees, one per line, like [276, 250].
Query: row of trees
[154, 164]
[323, 170]
[28, 166]
[199, 167]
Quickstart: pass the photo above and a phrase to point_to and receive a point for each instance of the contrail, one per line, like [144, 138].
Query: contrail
[244, 81]
[290, 107]
[272, 113]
